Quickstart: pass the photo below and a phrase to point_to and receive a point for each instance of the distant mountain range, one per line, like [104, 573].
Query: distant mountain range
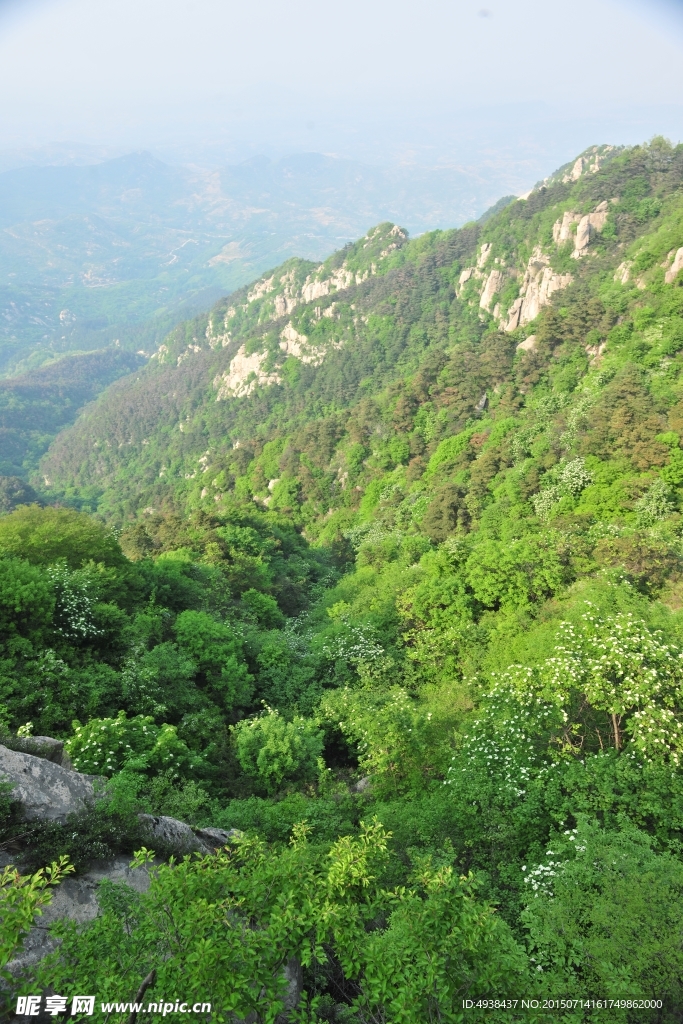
[460, 320]
[122, 249]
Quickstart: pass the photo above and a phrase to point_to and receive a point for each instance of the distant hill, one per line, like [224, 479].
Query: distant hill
[35, 406]
[123, 249]
[327, 382]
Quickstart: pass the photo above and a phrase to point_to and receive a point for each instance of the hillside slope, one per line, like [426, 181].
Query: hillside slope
[125, 248]
[37, 405]
[398, 592]
[341, 379]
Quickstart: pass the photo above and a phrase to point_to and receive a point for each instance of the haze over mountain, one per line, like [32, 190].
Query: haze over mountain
[116, 251]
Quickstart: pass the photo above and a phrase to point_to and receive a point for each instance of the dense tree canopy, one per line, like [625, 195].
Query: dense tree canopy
[428, 579]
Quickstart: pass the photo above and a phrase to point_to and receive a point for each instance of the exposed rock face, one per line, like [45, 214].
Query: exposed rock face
[338, 281]
[590, 161]
[181, 838]
[493, 285]
[528, 345]
[589, 225]
[484, 254]
[260, 289]
[623, 272]
[45, 789]
[216, 838]
[295, 344]
[595, 351]
[238, 380]
[577, 170]
[174, 834]
[675, 268]
[76, 899]
[562, 229]
[47, 747]
[539, 284]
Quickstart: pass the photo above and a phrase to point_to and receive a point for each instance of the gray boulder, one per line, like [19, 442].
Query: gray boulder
[43, 746]
[179, 837]
[216, 838]
[173, 834]
[45, 790]
[75, 899]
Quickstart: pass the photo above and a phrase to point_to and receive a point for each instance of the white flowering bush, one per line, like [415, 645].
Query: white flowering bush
[571, 479]
[655, 504]
[355, 644]
[73, 614]
[574, 476]
[507, 744]
[619, 684]
[604, 915]
[610, 684]
[105, 746]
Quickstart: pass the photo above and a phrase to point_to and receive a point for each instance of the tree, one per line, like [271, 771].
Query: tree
[26, 598]
[217, 651]
[234, 928]
[46, 535]
[274, 751]
[604, 915]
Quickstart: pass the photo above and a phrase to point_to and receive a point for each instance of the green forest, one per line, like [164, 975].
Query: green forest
[380, 563]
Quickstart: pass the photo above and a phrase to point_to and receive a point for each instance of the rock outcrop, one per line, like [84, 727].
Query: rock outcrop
[589, 225]
[623, 272]
[484, 254]
[50, 792]
[675, 268]
[75, 899]
[539, 284]
[180, 838]
[45, 790]
[528, 345]
[562, 229]
[244, 374]
[493, 285]
[295, 344]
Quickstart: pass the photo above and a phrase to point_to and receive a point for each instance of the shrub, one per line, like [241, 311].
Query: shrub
[273, 750]
[108, 745]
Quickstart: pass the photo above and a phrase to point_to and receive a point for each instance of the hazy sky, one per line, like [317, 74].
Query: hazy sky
[432, 80]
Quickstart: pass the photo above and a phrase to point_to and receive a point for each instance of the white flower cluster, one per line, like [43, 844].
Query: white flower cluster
[73, 609]
[504, 740]
[572, 477]
[359, 644]
[655, 504]
[540, 877]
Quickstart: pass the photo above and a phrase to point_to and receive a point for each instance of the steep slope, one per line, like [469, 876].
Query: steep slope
[401, 544]
[329, 379]
[37, 405]
[127, 247]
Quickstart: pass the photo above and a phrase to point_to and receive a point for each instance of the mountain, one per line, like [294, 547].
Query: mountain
[35, 406]
[297, 378]
[379, 562]
[120, 250]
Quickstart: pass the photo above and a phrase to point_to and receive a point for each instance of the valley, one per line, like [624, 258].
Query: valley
[366, 583]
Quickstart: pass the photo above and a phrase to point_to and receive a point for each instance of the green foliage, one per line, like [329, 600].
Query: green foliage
[26, 598]
[273, 750]
[21, 898]
[445, 564]
[45, 535]
[302, 903]
[107, 745]
[603, 914]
